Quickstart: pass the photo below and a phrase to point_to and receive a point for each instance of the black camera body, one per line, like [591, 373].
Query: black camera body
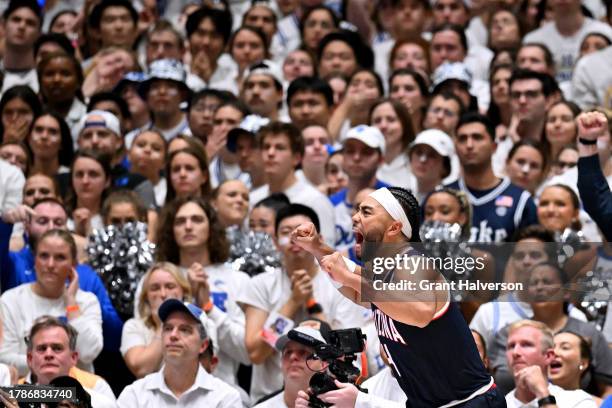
[340, 353]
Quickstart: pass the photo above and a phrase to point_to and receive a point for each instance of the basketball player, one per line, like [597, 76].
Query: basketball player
[427, 341]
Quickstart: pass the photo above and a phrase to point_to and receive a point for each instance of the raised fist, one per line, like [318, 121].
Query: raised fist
[592, 125]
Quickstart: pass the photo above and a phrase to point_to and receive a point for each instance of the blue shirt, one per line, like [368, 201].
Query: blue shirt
[17, 268]
[595, 193]
[498, 212]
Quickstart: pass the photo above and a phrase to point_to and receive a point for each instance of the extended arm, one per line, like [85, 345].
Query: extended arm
[594, 190]
[257, 348]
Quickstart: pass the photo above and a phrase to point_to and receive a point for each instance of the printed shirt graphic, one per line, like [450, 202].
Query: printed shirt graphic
[498, 212]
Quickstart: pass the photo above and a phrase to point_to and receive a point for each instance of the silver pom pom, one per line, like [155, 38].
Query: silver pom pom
[121, 256]
[570, 242]
[252, 252]
[443, 240]
[596, 291]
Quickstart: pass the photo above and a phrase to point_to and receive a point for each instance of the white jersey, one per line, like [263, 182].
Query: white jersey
[565, 50]
[269, 291]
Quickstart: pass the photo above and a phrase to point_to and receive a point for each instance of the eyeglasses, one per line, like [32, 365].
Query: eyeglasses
[301, 354]
[516, 95]
[447, 112]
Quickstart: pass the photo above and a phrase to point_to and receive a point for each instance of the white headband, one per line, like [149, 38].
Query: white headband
[394, 208]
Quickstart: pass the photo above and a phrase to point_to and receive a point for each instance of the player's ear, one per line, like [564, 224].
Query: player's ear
[395, 228]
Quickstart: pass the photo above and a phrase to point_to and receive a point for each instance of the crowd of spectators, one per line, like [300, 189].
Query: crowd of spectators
[198, 119]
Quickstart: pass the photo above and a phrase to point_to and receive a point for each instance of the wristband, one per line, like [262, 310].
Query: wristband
[208, 306]
[313, 307]
[587, 142]
[550, 400]
[72, 308]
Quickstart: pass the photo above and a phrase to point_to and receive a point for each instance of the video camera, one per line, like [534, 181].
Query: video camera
[339, 355]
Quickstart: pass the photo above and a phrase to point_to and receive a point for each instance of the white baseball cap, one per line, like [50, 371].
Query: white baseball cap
[369, 135]
[437, 140]
[266, 67]
[312, 335]
[99, 118]
[250, 125]
[451, 70]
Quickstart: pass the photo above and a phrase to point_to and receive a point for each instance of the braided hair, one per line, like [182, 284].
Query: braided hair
[410, 205]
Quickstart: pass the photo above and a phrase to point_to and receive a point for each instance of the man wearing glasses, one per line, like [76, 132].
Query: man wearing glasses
[297, 364]
[530, 97]
[444, 112]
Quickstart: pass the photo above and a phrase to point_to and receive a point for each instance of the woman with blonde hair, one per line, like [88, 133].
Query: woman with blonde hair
[141, 344]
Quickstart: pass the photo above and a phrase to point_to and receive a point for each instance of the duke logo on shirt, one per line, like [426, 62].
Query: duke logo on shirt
[502, 204]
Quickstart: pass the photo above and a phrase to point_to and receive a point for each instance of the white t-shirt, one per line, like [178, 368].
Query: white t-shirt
[269, 291]
[77, 110]
[181, 128]
[591, 85]
[478, 60]
[375, 361]
[14, 78]
[382, 53]
[11, 186]
[305, 193]
[221, 171]
[21, 306]
[477, 31]
[493, 316]
[565, 50]
[135, 333]
[287, 37]
[277, 401]
[226, 286]
[95, 223]
[5, 376]
[383, 392]
[565, 399]
[99, 400]
[160, 189]
[397, 173]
